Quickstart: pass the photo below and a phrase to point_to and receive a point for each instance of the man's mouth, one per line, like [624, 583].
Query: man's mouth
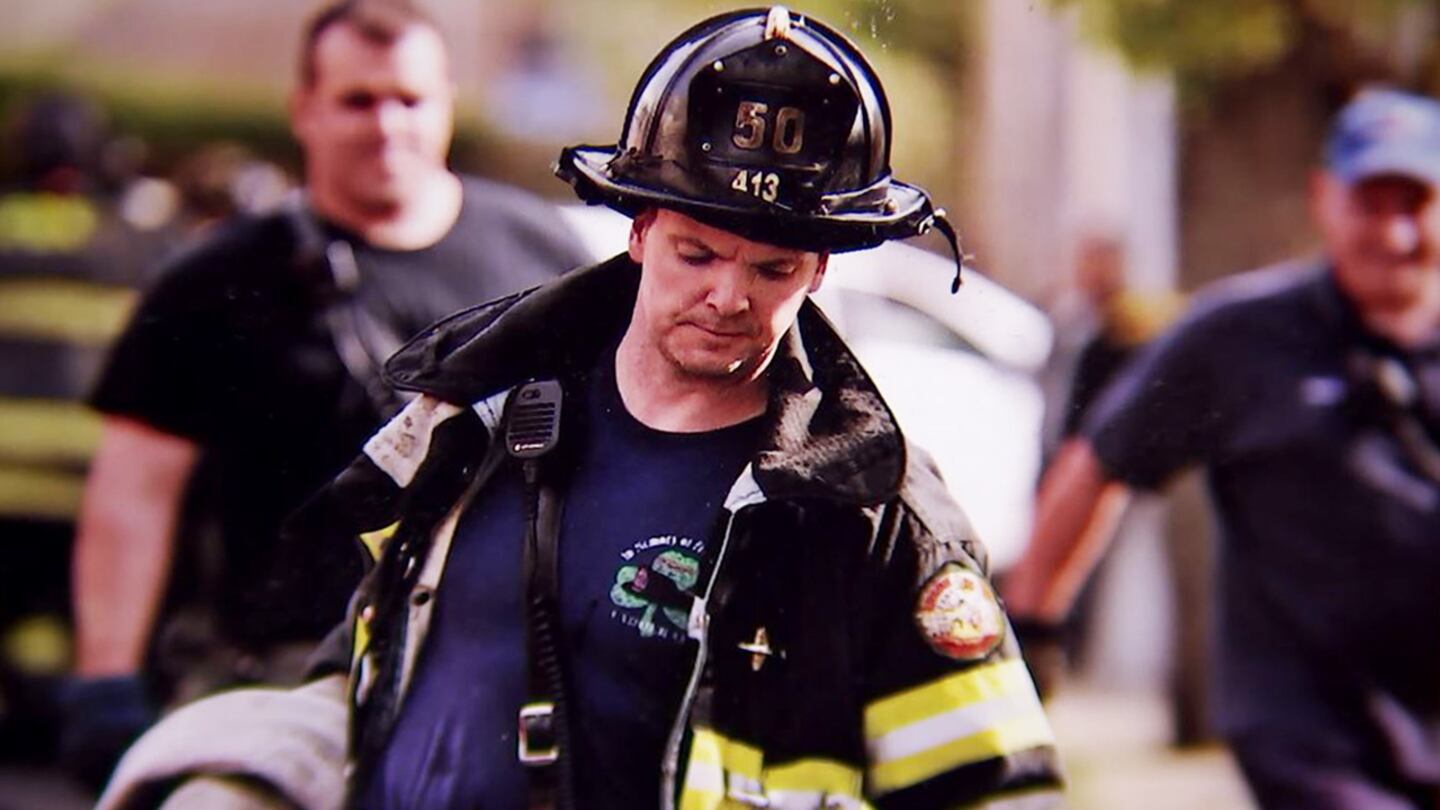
[719, 331]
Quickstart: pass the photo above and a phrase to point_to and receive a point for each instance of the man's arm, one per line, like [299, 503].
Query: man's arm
[125, 543]
[1075, 517]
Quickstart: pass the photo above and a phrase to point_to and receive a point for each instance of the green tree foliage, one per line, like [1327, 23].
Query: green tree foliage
[1206, 42]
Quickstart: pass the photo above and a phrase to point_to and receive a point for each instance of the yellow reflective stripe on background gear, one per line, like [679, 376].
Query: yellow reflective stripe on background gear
[982, 713]
[30, 492]
[725, 773]
[65, 310]
[47, 430]
[44, 222]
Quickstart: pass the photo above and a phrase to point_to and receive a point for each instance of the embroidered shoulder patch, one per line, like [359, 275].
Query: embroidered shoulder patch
[958, 614]
[401, 445]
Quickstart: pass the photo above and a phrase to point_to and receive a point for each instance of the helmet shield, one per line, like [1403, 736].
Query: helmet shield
[781, 141]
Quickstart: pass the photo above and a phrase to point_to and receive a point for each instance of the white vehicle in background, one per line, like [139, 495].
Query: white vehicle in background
[958, 370]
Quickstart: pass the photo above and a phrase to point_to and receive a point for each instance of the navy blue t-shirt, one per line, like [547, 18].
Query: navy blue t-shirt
[638, 502]
[1330, 552]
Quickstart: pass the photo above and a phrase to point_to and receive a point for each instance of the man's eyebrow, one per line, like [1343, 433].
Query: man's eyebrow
[694, 243]
[777, 263]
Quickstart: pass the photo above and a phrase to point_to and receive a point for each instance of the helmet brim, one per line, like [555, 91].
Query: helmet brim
[904, 211]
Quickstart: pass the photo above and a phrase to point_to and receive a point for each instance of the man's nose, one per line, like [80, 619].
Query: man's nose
[389, 116]
[1401, 234]
[729, 292]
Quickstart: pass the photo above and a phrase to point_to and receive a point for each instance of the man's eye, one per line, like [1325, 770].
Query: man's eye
[410, 102]
[358, 101]
[777, 270]
[696, 258]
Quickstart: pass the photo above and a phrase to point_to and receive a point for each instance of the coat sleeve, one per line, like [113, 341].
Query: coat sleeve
[265, 746]
[365, 500]
[951, 718]
[364, 505]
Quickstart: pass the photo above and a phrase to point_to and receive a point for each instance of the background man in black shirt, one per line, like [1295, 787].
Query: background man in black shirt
[1311, 396]
[251, 369]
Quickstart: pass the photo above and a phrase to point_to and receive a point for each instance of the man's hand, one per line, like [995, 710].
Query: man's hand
[1075, 517]
[1042, 644]
[100, 718]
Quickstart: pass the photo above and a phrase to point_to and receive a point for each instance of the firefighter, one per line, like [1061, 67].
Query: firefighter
[649, 536]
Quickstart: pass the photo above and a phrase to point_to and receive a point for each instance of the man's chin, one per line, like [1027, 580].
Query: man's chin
[713, 371]
[387, 187]
[383, 196]
[709, 366]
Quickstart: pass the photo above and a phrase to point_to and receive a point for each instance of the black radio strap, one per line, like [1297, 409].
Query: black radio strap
[362, 341]
[543, 739]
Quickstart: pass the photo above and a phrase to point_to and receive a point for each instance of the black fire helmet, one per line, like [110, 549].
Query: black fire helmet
[767, 124]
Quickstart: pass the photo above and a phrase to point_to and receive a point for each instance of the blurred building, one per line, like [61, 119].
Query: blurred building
[1074, 144]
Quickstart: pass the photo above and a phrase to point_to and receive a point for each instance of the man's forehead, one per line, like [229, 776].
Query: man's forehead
[682, 227]
[1393, 183]
[345, 53]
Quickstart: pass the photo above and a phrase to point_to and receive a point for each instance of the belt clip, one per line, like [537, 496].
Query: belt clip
[538, 743]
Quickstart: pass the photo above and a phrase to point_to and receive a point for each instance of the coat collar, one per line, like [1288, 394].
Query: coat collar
[829, 433]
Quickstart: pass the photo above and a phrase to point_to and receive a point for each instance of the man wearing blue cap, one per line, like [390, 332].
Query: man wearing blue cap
[1310, 393]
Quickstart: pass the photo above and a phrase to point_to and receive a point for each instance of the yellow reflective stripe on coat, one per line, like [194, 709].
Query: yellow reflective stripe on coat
[362, 638]
[374, 542]
[725, 773]
[982, 713]
[362, 674]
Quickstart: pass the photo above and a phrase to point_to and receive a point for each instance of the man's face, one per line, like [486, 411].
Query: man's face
[712, 304]
[376, 122]
[1383, 235]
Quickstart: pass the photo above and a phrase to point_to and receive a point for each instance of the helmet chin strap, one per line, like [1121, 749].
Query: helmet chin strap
[942, 222]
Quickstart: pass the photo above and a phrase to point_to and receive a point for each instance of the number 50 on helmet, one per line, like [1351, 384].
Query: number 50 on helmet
[767, 124]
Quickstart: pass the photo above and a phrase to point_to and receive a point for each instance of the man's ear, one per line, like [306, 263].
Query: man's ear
[1322, 190]
[297, 106]
[639, 228]
[820, 272]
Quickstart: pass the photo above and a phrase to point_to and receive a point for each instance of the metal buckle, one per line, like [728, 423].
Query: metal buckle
[538, 743]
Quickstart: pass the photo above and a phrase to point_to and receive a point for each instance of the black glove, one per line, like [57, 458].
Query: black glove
[1042, 644]
[101, 717]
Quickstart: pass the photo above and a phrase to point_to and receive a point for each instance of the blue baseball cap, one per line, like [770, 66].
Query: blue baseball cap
[1386, 132]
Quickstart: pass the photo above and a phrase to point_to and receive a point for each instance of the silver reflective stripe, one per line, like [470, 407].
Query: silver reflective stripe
[710, 777]
[745, 790]
[812, 800]
[491, 410]
[707, 777]
[955, 724]
[364, 679]
[744, 492]
[418, 620]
